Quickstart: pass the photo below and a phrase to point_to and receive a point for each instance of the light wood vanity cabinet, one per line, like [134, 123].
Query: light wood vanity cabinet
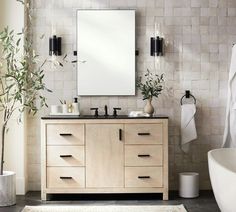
[104, 156]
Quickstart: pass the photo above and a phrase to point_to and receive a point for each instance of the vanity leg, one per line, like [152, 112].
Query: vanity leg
[166, 195]
[43, 196]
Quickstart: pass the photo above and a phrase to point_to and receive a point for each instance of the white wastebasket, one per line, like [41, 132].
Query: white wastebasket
[188, 184]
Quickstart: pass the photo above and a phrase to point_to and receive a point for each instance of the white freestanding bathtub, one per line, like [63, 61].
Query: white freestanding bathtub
[222, 168]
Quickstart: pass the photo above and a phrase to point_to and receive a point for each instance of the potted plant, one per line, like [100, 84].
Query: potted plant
[21, 83]
[151, 87]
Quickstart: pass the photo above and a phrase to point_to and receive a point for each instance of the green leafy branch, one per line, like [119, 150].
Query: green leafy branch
[20, 81]
[152, 86]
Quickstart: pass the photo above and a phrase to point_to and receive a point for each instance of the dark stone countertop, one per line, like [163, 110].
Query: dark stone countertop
[99, 117]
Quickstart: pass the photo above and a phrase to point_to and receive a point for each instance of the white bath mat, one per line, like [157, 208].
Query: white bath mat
[107, 208]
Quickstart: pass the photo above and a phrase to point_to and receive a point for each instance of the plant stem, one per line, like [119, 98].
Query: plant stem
[2, 151]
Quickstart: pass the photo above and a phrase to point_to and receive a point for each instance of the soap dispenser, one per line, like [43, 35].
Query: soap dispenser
[75, 106]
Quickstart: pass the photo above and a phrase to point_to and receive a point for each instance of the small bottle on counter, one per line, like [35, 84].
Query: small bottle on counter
[69, 108]
[75, 106]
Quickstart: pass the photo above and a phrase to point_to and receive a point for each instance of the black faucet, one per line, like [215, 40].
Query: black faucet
[106, 113]
[115, 111]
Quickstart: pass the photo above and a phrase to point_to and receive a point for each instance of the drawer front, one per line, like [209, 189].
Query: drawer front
[143, 133]
[65, 155]
[143, 155]
[65, 134]
[65, 177]
[144, 177]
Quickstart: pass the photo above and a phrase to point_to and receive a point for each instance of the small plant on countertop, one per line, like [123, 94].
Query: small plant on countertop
[152, 86]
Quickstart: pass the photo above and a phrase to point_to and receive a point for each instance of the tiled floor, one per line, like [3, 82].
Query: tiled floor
[205, 203]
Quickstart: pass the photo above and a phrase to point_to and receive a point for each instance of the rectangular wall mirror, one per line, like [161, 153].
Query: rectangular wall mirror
[106, 52]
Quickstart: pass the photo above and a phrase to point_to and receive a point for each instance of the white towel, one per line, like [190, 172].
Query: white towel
[229, 139]
[188, 127]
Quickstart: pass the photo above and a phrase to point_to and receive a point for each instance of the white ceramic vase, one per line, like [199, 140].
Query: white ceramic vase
[55, 109]
[148, 107]
[64, 108]
[7, 188]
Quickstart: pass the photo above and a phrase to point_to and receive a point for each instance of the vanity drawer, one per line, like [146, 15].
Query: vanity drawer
[143, 133]
[65, 177]
[65, 155]
[143, 177]
[65, 134]
[143, 155]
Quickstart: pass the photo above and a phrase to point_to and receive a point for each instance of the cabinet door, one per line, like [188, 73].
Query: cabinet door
[104, 155]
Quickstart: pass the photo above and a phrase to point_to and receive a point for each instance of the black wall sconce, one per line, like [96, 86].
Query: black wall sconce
[55, 46]
[156, 46]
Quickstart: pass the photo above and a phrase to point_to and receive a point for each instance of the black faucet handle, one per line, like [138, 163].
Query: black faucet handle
[115, 110]
[106, 111]
[96, 110]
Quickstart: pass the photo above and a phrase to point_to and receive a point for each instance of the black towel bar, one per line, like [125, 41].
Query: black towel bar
[187, 95]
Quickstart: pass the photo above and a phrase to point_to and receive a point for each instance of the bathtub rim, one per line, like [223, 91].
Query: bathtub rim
[209, 154]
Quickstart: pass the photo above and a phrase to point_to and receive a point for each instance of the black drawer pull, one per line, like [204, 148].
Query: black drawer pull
[144, 177]
[144, 133]
[143, 156]
[120, 134]
[65, 156]
[66, 178]
[65, 134]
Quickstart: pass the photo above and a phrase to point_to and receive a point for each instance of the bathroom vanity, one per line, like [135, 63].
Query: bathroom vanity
[104, 155]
